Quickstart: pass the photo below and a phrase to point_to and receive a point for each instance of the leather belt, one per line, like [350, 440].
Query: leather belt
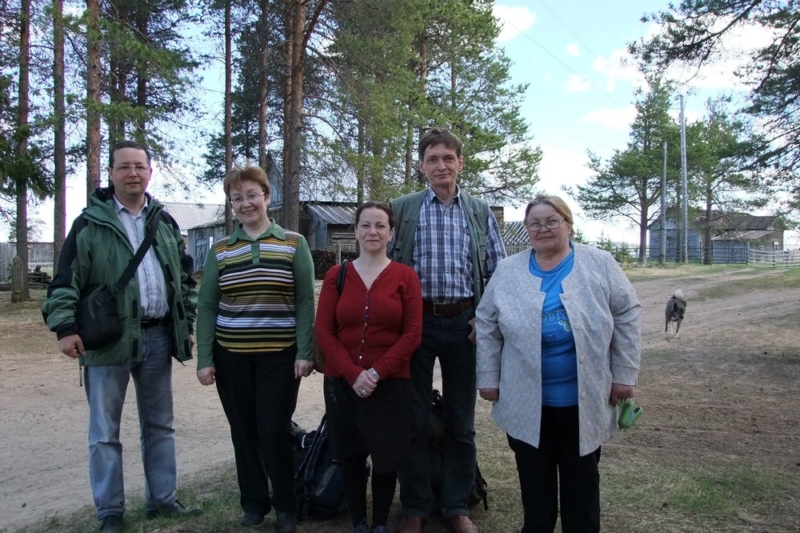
[152, 322]
[447, 308]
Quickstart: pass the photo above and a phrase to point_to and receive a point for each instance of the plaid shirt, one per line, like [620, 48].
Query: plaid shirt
[442, 257]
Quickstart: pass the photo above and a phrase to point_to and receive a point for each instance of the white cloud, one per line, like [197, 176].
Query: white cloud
[617, 67]
[512, 20]
[578, 84]
[573, 50]
[615, 119]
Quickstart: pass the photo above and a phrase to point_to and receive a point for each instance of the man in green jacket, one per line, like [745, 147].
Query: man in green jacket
[157, 309]
[453, 242]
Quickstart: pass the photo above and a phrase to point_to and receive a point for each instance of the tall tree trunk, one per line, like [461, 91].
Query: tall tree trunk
[423, 76]
[408, 174]
[360, 174]
[22, 146]
[292, 206]
[59, 134]
[142, 15]
[263, 86]
[228, 110]
[708, 248]
[92, 97]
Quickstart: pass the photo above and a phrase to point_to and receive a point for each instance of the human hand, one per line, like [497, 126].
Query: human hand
[491, 395]
[303, 368]
[471, 335]
[365, 384]
[206, 376]
[620, 392]
[192, 341]
[71, 346]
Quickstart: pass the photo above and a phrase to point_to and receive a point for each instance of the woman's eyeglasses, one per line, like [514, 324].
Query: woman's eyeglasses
[551, 223]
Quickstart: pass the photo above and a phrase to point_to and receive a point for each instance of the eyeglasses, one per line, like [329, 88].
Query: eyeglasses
[550, 223]
[238, 200]
[125, 169]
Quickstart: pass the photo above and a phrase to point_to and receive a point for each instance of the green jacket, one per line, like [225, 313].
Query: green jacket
[406, 212]
[96, 252]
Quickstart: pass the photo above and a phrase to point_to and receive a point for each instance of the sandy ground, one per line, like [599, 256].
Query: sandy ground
[43, 469]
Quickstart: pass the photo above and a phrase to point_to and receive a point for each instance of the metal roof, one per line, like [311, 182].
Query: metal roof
[190, 215]
[336, 214]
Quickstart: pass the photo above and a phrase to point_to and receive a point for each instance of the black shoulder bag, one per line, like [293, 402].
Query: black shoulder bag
[97, 319]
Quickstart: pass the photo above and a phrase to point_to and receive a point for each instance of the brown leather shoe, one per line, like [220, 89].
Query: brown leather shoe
[410, 524]
[461, 524]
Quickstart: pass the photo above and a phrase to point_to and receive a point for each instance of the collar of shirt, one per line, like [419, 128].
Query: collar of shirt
[273, 230]
[119, 207]
[431, 196]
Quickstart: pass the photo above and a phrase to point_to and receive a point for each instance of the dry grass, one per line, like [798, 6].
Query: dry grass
[718, 449]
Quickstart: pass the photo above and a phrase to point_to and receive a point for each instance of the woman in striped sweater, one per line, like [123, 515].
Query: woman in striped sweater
[254, 332]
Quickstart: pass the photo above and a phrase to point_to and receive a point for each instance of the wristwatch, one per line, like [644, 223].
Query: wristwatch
[374, 373]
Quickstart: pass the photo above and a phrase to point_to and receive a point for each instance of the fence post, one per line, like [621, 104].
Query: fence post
[338, 252]
[16, 280]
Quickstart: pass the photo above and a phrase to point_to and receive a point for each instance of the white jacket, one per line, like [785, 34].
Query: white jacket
[604, 314]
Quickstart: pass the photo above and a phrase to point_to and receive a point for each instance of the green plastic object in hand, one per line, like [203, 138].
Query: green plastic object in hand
[628, 413]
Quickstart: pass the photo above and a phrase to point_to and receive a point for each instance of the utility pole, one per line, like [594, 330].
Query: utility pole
[684, 188]
[662, 253]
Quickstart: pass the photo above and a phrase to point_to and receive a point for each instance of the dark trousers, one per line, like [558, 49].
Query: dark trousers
[445, 338]
[259, 395]
[556, 468]
[354, 475]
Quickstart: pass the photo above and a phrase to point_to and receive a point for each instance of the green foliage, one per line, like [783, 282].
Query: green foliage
[695, 34]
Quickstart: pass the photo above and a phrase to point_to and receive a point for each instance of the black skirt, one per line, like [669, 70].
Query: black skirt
[378, 426]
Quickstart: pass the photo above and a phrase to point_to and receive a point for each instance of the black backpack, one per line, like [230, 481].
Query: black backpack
[318, 484]
[436, 441]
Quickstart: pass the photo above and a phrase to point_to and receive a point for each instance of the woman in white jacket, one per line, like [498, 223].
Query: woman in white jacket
[558, 334]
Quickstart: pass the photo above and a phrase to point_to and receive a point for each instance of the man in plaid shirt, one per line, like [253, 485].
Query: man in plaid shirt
[453, 242]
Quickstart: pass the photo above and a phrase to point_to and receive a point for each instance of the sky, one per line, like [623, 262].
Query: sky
[582, 84]
[581, 89]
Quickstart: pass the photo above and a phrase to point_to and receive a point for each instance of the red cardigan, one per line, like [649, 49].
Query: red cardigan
[392, 311]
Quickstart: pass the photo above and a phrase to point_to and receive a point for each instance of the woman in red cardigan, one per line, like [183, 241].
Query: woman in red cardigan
[368, 334]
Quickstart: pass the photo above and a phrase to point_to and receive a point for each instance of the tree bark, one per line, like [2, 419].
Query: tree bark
[59, 134]
[92, 97]
[263, 80]
[228, 110]
[22, 144]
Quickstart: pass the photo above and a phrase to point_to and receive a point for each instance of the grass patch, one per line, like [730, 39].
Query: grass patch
[764, 281]
[726, 493]
[653, 271]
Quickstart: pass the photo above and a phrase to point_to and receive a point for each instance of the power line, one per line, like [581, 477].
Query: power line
[551, 54]
[568, 29]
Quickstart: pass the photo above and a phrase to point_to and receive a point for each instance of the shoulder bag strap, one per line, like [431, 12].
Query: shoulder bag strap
[342, 276]
[136, 259]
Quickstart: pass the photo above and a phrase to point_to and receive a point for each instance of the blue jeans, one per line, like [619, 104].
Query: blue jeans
[445, 338]
[105, 391]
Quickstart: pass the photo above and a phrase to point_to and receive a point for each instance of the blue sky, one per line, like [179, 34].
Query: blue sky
[580, 93]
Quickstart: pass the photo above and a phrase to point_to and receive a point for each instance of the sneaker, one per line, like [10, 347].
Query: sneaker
[285, 522]
[111, 524]
[176, 510]
[251, 519]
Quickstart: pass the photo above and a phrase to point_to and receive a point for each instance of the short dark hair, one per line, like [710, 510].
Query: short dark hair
[435, 136]
[126, 144]
[239, 174]
[376, 205]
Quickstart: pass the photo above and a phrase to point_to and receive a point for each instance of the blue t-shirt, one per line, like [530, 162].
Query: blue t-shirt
[559, 358]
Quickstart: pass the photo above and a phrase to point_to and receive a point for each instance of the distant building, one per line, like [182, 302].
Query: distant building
[731, 235]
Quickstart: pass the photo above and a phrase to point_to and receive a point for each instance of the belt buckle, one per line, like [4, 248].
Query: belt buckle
[437, 303]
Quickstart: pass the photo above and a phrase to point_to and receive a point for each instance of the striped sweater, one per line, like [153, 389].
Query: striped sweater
[256, 296]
